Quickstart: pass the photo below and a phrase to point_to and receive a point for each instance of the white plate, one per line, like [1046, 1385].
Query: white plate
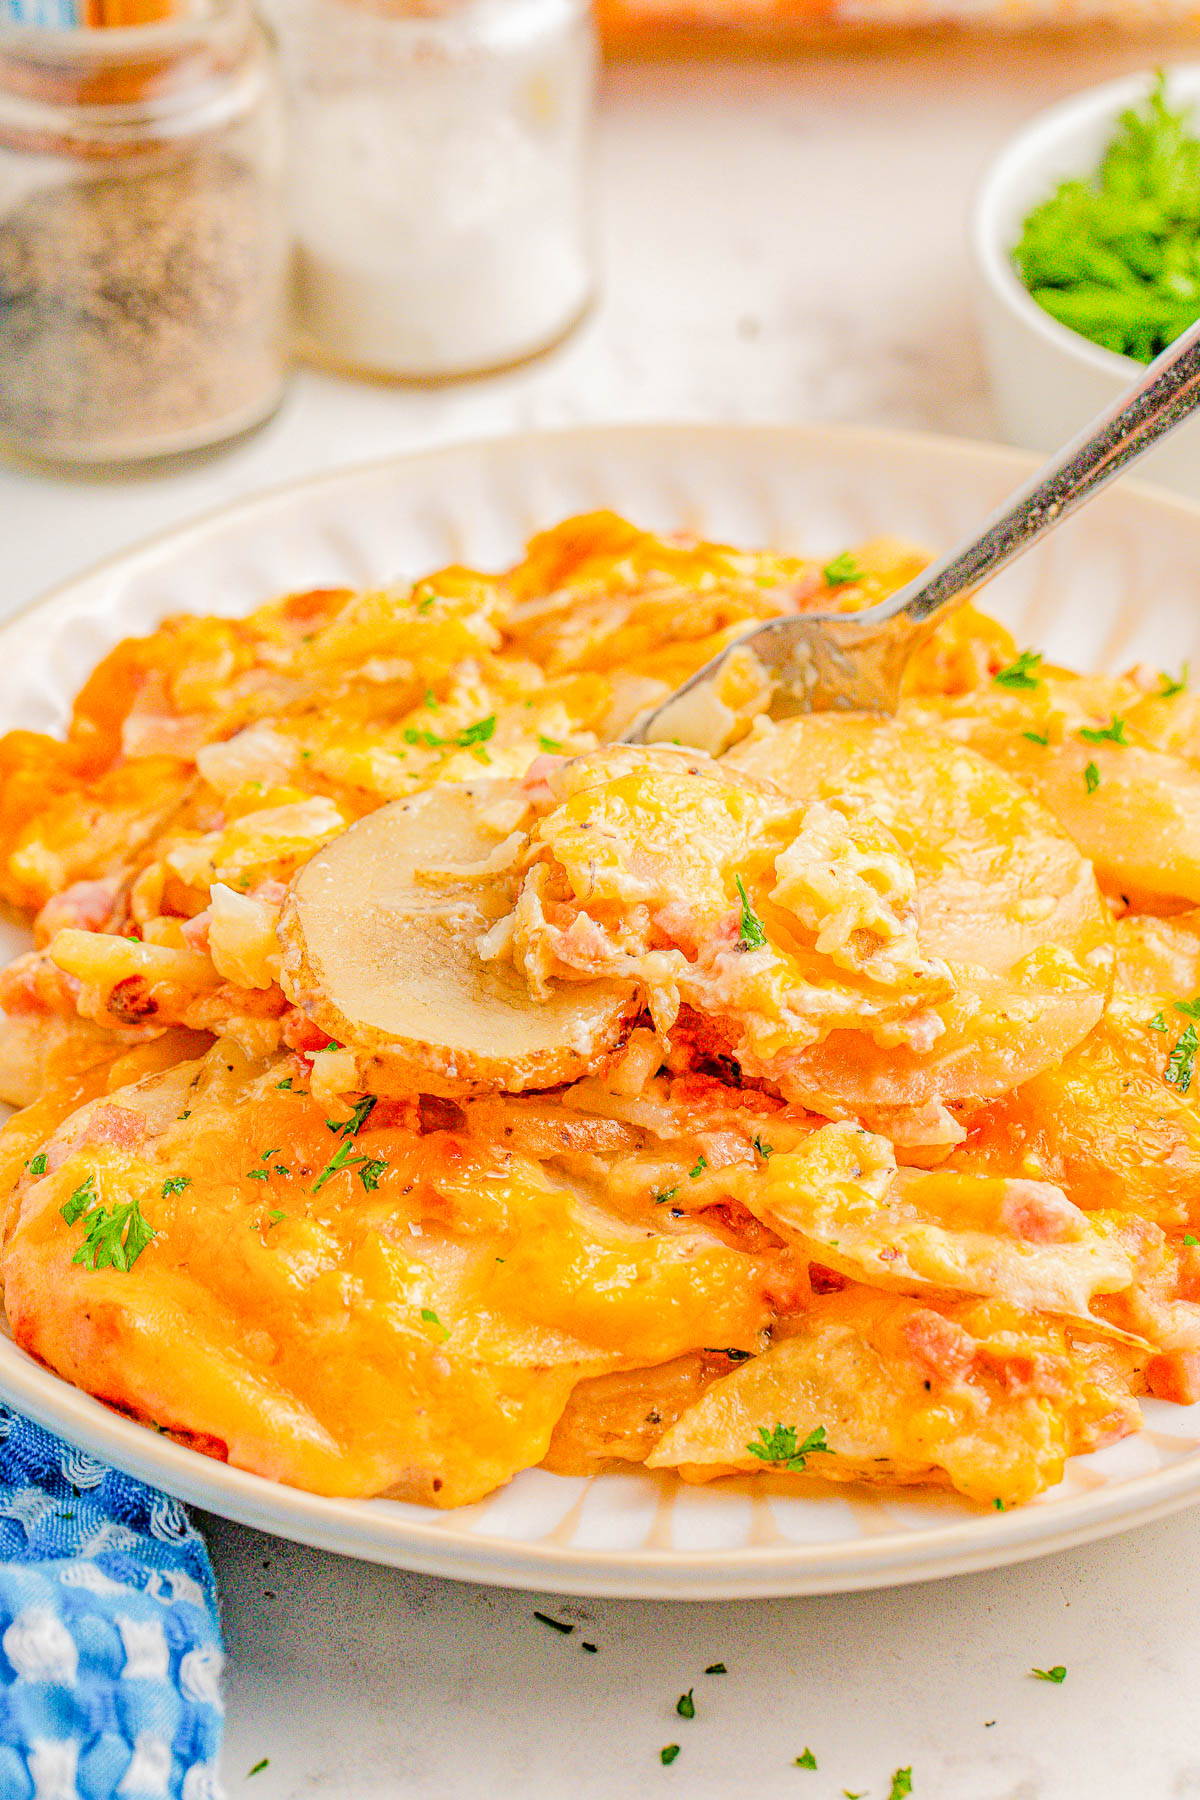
[1117, 584]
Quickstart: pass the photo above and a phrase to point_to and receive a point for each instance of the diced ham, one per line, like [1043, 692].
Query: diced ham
[299, 1033]
[1030, 1373]
[84, 906]
[195, 931]
[116, 1125]
[942, 1348]
[1039, 1213]
[1175, 1376]
[33, 985]
[825, 1281]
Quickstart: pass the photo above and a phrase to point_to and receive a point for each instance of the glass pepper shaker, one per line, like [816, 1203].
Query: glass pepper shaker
[439, 179]
[143, 245]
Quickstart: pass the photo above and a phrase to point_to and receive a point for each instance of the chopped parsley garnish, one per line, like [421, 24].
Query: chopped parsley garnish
[1189, 1008]
[1190, 1239]
[478, 733]
[1157, 1023]
[1019, 674]
[274, 1217]
[429, 1317]
[766, 1151]
[554, 1624]
[1091, 778]
[1057, 1674]
[426, 601]
[1113, 733]
[901, 1784]
[37, 1164]
[779, 1446]
[431, 700]
[701, 1165]
[751, 936]
[685, 1706]
[998, 1504]
[286, 1083]
[430, 739]
[1037, 737]
[716, 1669]
[263, 1763]
[344, 1157]
[550, 745]
[1180, 1064]
[842, 569]
[77, 1204]
[113, 1240]
[852, 1794]
[1111, 253]
[175, 1184]
[806, 1760]
[668, 1753]
[257, 1174]
[1168, 688]
[665, 1194]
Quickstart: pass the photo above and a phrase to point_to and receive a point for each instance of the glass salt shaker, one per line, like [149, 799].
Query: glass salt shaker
[143, 239]
[439, 179]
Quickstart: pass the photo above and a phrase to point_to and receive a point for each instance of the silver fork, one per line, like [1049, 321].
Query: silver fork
[853, 662]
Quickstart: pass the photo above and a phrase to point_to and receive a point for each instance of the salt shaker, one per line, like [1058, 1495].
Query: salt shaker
[143, 245]
[439, 179]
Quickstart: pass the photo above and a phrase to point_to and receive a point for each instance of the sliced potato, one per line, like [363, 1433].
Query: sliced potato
[379, 937]
[1003, 896]
[1132, 806]
[842, 1196]
[979, 1395]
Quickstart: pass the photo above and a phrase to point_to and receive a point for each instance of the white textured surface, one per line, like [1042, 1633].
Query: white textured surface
[783, 241]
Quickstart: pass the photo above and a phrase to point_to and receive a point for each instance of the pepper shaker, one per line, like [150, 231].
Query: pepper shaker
[143, 248]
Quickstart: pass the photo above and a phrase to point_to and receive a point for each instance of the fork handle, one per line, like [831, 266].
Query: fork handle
[1159, 400]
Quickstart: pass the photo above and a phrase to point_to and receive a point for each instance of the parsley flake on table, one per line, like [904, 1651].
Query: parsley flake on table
[701, 1165]
[806, 1760]
[716, 1669]
[558, 1625]
[175, 1184]
[901, 1784]
[685, 1706]
[668, 1753]
[37, 1164]
[1091, 778]
[1057, 1674]
[1181, 1062]
[1168, 687]
[1112, 733]
[1019, 674]
[779, 1446]
[850, 1794]
[751, 936]
[264, 1763]
[843, 569]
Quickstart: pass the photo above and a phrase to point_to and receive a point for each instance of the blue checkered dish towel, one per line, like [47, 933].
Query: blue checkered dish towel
[110, 1647]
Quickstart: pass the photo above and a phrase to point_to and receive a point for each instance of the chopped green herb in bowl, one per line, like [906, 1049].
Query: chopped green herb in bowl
[1115, 255]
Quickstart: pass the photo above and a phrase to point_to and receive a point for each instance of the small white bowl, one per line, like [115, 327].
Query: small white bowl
[1048, 381]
